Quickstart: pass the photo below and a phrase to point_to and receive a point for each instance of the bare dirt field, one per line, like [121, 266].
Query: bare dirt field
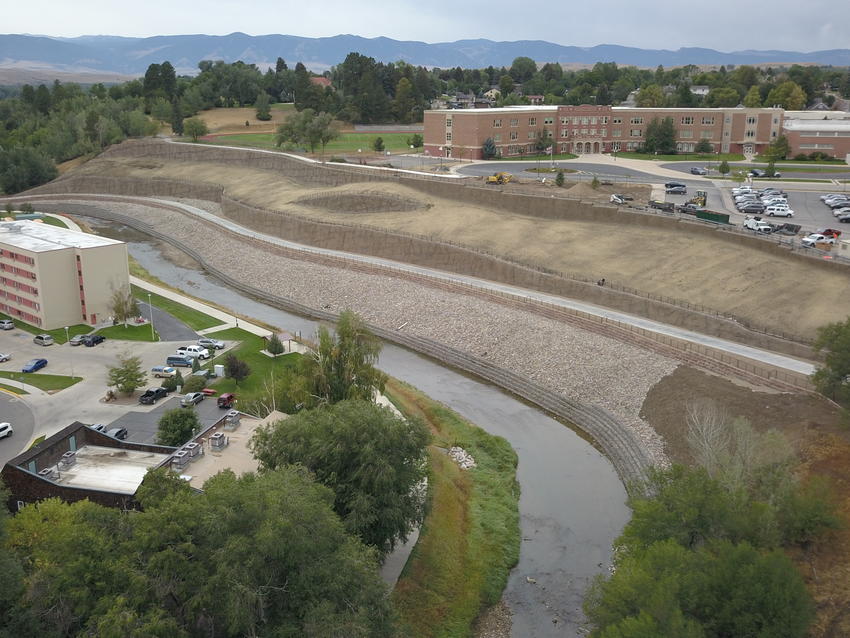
[814, 428]
[220, 121]
[791, 295]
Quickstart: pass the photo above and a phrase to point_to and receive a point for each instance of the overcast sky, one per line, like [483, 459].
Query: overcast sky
[725, 25]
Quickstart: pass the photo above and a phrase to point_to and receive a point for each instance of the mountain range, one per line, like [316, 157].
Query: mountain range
[131, 56]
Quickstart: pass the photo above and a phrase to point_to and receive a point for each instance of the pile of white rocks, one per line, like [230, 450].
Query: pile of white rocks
[462, 458]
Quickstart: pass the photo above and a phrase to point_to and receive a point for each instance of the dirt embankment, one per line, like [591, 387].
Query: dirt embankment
[794, 296]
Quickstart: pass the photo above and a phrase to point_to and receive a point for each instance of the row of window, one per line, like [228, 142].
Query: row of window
[20, 314]
[17, 271]
[8, 254]
[20, 300]
[11, 283]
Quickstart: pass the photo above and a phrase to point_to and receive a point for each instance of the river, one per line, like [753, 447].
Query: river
[572, 504]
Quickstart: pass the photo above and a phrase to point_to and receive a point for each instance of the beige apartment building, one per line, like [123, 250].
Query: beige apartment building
[584, 129]
[53, 277]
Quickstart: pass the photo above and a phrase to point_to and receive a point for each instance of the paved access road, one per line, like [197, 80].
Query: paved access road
[17, 412]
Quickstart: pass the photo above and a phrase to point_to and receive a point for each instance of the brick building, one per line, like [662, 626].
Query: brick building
[595, 129]
[52, 277]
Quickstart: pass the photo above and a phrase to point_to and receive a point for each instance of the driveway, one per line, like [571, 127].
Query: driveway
[16, 411]
[168, 328]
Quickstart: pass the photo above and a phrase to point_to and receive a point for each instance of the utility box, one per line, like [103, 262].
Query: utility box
[218, 370]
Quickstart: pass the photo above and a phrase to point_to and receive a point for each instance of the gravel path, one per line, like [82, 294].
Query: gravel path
[582, 365]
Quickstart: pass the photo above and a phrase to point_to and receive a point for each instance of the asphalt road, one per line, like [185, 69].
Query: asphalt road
[18, 413]
[168, 328]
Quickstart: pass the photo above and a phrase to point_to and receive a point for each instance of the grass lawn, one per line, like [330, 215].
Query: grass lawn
[816, 169]
[470, 538]
[57, 333]
[129, 333]
[837, 162]
[346, 143]
[53, 221]
[683, 157]
[44, 382]
[12, 389]
[195, 319]
[249, 352]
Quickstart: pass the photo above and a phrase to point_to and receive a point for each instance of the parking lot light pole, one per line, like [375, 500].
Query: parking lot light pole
[150, 312]
[68, 341]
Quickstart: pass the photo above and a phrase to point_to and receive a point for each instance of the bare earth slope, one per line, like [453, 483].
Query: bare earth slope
[793, 295]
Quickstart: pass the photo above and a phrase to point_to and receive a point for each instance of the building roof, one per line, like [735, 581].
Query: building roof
[831, 126]
[39, 238]
[109, 469]
[502, 109]
[320, 81]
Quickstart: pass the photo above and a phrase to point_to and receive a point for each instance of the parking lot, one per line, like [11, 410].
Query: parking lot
[141, 423]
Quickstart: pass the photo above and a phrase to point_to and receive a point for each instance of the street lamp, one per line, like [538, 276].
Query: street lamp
[150, 312]
[68, 341]
[441, 158]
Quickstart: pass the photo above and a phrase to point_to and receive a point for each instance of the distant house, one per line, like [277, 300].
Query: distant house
[493, 94]
[700, 89]
[322, 81]
[535, 100]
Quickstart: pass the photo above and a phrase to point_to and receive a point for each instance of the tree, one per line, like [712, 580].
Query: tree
[703, 146]
[235, 368]
[378, 144]
[196, 365]
[24, 167]
[542, 141]
[416, 141]
[506, 86]
[559, 178]
[404, 102]
[723, 169]
[176, 117]
[373, 461]
[488, 149]
[660, 136]
[261, 104]
[788, 95]
[177, 426]
[128, 375]
[722, 97]
[195, 127]
[752, 100]
[832, 377]
[650, 96]
[308, 129]
[343, 365]
[123, 305]
[274, 346]
[778, 149]
[523, 69]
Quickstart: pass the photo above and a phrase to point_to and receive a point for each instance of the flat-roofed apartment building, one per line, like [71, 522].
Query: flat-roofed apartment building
[52, 277]
[584, 129]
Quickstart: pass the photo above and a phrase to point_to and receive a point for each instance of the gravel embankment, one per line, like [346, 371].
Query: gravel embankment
[582, 365]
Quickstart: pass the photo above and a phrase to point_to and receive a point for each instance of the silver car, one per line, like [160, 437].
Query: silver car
[5, 357]
[192, 398]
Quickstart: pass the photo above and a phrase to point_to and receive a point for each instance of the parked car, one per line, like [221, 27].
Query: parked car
[817, 238]
[179, 360]
[752, 207]
[665, 206]
[92, 340]
[198, 352]
[757, 225]
[215, 344]
[675, 190]
[33, 365]
[76, 340]
[829, 232]
[844, 219]
[5, 430]
[43, 340]
[118, 433]
[152, 395]
[192, 398]
[778, 211]
[226, 400]
[7, 324]
[5, 357]
[758, 172]
[698, 170]
[163, 372]
[674, 185]
[838, 203]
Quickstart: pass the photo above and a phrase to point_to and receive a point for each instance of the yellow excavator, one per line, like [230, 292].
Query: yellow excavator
[499, 178]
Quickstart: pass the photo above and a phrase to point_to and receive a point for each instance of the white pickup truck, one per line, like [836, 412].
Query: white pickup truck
[196, 352]
[757, 225]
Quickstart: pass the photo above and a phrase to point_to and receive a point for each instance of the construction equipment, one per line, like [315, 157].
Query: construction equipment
[499, 178]
[699, 199]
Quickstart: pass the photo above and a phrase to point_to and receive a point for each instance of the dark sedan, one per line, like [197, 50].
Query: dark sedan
[152, 395]
[93, 340]
[752, 207]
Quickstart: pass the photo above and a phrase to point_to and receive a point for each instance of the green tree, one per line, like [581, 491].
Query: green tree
[274, 346]
[559, 178]
[832, 377]
[378, 144]
[176, 117]
[542, 141]
[660, 136]
[788, 95]
[373, 461]
[720, 97]
[196, 365]
[177, 426]
[24, 167]
[308, 129]
[235, 368]
[650, 96]
[778, 149]
[723, 169]
[261, 104]
[404, 102]
[416, 141]
[488, 149]
[343, 364]
[523, 69]
[195, 127]
[128, 375]
[703, 146]
[506, 86]
[752, 100]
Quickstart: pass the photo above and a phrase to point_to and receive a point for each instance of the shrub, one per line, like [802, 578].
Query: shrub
[194, 384]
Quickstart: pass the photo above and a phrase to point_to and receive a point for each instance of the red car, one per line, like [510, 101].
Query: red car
[226, 400]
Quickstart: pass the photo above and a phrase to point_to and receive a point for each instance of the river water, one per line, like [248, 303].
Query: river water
[572, 504]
